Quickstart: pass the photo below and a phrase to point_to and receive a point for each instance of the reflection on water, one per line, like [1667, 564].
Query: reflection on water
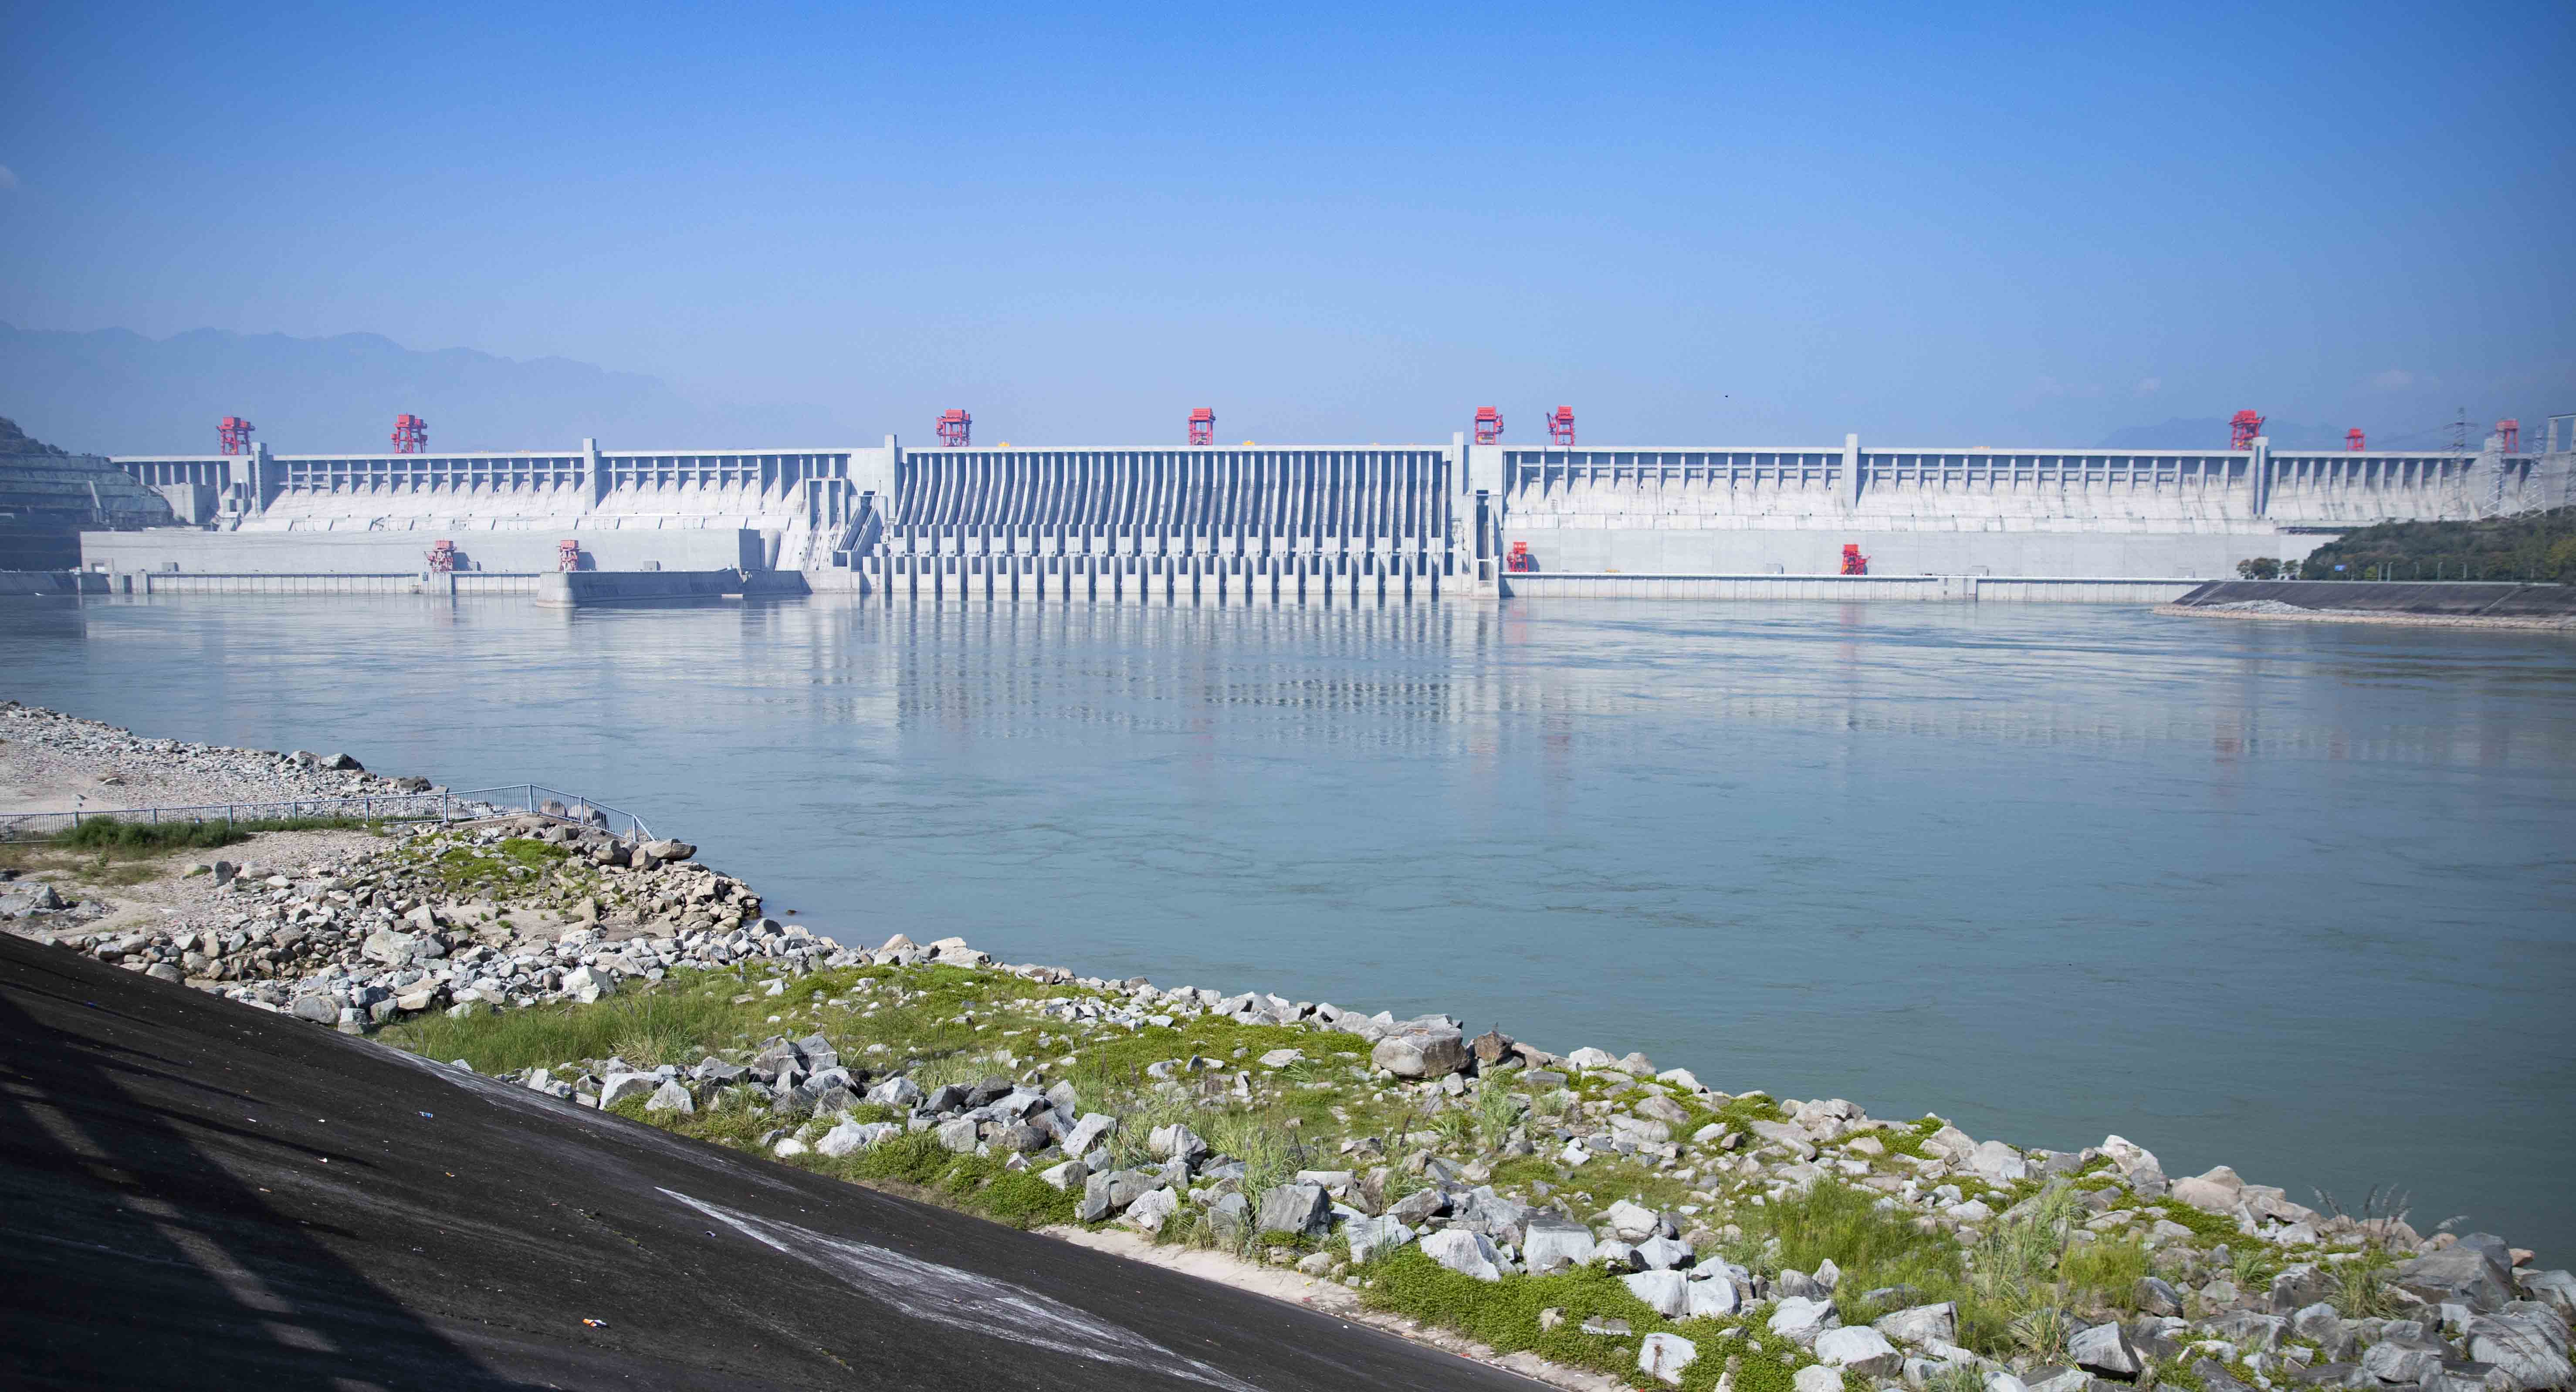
[2290, 897]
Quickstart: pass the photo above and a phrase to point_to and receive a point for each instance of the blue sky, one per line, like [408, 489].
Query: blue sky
[1696, 224]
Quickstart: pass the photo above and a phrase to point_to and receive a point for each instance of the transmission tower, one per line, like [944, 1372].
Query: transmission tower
[2460, 501]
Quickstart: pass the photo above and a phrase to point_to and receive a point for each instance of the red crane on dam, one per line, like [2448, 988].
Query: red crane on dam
[1854, 563]
[1560, 426]
[1489, 426]
[411, 434]
[235, 432]
[2509, 436]
[2242, 430]
[1203, 426]
[955, 428]
[2352, 440]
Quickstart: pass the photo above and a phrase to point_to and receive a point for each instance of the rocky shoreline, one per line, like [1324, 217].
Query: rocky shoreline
[1577, 1215]
[2274, 609]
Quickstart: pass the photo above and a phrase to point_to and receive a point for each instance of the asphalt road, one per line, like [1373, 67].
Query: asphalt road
[196, 1194]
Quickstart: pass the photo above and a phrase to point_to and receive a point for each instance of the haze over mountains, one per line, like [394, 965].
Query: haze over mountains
[114, 391]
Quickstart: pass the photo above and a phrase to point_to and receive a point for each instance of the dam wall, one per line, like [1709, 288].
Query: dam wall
[1915, 510]
[1306, 521]
[634, 508]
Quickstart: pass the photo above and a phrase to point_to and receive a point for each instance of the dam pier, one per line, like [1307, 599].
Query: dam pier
[1295, 523]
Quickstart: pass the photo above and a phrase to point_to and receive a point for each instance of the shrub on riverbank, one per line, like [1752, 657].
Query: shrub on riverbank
[118, 837]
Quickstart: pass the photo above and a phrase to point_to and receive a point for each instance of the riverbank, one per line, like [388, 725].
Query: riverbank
[2438, 604]
[1596, 1211]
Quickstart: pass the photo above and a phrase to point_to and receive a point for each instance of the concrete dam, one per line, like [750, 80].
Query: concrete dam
[1212, 523]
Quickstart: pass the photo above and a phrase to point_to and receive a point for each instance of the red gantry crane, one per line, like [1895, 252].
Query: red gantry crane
[955, 428]
[2509, 436]
[411, 434]
[2242, 430]
[1203, 426]
[1560, 426]
[235, 433]
[1489, 426]
[2352, 440]
[1854, 563]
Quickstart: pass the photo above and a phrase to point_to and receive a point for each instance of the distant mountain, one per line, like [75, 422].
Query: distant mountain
[2180, 434]
[115, 391]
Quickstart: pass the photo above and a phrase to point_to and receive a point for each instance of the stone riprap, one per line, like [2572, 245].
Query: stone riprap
[1422, 1169]
[61, 763]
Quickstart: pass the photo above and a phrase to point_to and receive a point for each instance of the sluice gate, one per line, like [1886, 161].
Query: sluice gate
[1201, 524]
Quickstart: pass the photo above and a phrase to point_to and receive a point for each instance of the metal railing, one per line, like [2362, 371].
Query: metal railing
[476, 804]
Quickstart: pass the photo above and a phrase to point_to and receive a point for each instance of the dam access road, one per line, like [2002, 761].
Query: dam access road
[193, 1194]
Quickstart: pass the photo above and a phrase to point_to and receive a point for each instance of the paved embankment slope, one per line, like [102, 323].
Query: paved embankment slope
[193, 1194]
[2452, 602]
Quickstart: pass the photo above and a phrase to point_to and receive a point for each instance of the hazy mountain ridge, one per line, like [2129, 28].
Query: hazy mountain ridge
[115, 391]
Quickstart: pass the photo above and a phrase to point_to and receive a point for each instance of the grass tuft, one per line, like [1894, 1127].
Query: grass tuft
[664, 1026]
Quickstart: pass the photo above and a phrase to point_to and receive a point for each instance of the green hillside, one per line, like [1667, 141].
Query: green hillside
[2534, 546]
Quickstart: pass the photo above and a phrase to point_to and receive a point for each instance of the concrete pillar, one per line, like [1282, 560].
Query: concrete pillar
[1851, 472]
[265, 484]
[591, 471]
[1477, 521]
[2258, 476]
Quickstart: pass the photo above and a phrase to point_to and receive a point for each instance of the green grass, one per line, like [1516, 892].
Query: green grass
[506, 864]
[1504, 1316]
[123, 838]
[2007, 1288]
[1743, 1111]
[2206, 1228]
[1873, 1247]
[2364, 1287]
[644, 1028]
[2106, 1273]
[1907, 1140]
[943, 1024]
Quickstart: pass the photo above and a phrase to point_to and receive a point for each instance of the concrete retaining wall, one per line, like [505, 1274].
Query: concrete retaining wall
[572, 589]
[1957, 550]
[1849, 589]
[234, 553]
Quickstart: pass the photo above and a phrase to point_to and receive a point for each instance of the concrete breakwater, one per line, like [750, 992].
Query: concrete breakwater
[1420, 1159]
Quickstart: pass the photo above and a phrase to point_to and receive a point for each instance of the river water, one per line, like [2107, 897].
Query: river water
[2292, 897]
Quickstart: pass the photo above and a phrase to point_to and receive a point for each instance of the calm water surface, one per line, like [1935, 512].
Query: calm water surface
[2293, 897]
